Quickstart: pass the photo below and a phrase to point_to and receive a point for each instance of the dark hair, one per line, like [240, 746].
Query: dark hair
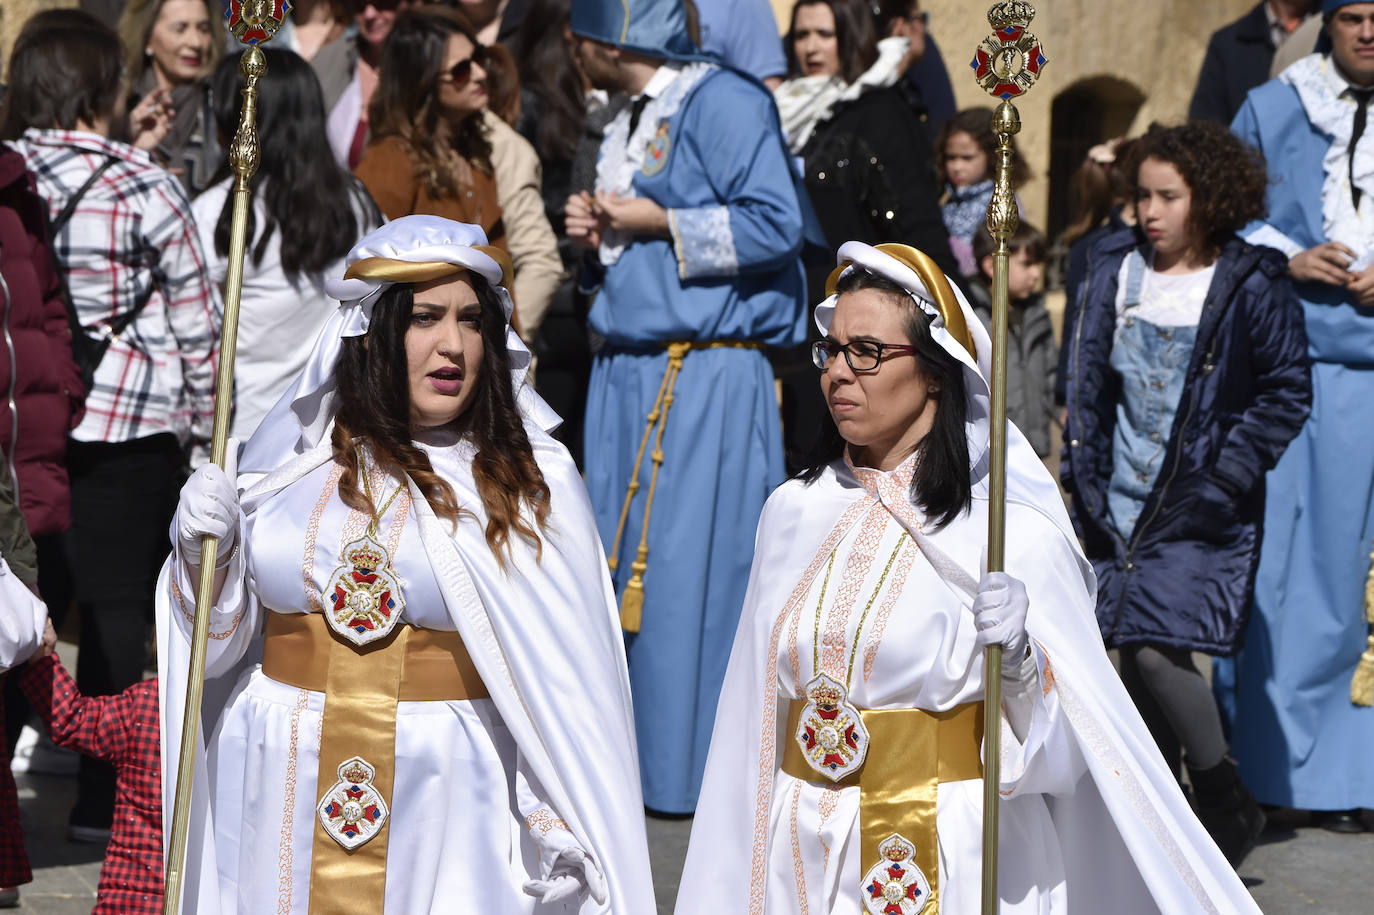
[1226, 176]
[66, 67]
[1026, 237]
[301, 183]
[977, 123]
[405, 103]
[374, 409]
[886, 12]
[941, 486]
[548, 71]
[855, 37]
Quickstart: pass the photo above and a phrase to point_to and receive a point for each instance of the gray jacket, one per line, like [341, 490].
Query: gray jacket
[1032, 359]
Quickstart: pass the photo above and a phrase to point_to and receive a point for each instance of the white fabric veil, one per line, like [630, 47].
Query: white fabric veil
[298, 421]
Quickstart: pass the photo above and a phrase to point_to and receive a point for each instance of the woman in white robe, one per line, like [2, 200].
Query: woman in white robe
[864, 578]
[481, 564]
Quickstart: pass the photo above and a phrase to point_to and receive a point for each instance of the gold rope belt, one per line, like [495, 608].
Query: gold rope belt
[632, 598]
[358, 738]
[910, 752]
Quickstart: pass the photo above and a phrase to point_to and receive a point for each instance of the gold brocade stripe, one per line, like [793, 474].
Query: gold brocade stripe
[910, 752]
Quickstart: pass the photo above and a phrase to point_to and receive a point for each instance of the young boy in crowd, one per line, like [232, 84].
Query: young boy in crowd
[121, 730]
[1032, 356]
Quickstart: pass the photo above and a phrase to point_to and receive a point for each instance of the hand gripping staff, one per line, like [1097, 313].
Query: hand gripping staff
[1006, 64]
[252, 22]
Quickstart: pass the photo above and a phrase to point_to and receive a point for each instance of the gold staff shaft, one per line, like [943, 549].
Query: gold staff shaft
[243, 157]
[1006, 64]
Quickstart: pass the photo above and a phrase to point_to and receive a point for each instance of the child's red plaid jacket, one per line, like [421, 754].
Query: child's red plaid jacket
[123, 731]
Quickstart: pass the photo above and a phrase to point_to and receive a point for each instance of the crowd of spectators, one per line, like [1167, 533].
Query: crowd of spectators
[115, 204]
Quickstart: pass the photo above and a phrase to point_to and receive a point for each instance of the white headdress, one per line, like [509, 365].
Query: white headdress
[412, 249]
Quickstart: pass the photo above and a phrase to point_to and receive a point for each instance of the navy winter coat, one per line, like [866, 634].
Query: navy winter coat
[1186, 576]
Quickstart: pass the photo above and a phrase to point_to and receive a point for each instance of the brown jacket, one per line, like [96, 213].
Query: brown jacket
[388, 172]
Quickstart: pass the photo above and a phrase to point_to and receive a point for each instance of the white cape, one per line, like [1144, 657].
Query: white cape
[545, 638]
[1128, 839]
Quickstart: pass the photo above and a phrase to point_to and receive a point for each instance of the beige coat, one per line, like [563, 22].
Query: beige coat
[529, 236]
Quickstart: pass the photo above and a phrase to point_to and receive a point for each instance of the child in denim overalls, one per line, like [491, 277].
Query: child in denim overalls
[1187, 378]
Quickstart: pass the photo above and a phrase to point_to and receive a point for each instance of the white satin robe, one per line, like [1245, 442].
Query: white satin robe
[457, 828]
[916, 650]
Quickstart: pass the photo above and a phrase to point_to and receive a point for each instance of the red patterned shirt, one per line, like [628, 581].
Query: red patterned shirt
[123, 731]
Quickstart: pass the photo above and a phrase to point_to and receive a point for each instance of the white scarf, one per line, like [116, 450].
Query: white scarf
[805, 101]
[1334, 116]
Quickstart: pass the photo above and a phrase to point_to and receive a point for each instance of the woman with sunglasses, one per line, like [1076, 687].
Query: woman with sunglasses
[845, 771]
[429, 152]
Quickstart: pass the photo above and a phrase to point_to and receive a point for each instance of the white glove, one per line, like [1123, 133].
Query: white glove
[999, 614]
[209, 505]
[573, 876]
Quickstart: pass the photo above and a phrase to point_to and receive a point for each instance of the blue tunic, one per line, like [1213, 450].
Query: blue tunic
[1299, 740]
[730, 272]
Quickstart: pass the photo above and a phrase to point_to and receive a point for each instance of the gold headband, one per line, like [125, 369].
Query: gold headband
[933, 278]
[396, 271]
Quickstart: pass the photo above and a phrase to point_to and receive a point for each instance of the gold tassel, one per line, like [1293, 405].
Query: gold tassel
[1362, 683]
[632, 599]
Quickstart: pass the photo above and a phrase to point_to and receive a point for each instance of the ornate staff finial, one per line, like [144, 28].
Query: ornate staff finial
[1006, 64]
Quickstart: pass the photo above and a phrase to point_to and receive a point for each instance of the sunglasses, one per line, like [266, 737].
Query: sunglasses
[461, 72]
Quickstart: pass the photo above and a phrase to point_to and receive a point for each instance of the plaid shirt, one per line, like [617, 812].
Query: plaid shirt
[133, 235]
[123, 731]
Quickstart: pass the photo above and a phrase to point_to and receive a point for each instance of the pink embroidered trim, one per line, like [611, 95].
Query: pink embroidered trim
[834, 640]
[191, 617]
[830, 799]
[768, 762]
[286, 855]
[312, 532]
[798, 868]
[894, 591]
[543, 821]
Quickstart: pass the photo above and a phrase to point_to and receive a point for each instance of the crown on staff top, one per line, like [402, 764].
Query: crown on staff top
[1011, 13]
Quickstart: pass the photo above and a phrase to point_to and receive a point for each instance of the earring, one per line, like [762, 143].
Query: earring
[147, 52]
[933, 388]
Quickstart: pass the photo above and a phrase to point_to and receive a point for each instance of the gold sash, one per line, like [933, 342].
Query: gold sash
[910, 752]
[362, 687]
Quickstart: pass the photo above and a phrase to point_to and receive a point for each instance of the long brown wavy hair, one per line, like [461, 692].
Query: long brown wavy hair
[406, 106]
[374, 410]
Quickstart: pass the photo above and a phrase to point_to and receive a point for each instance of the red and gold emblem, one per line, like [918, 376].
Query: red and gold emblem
[363, 595]
[895, 885]
[352, 811]
[1009, 61]
[831, 731]
[254, 21]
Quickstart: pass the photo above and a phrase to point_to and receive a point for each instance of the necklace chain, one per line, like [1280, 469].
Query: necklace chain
[820, 606]
[377, 516]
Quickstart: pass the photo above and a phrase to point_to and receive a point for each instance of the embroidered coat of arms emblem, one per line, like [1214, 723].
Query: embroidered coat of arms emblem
[656, 152]
[831, 731]
[352, 811]
[363, 596]
[895, 885]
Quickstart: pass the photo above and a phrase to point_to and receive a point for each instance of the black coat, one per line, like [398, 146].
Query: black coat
[1186, 576]
[870, 173]
[1238, 59]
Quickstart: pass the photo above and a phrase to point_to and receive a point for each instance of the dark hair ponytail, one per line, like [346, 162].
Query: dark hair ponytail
[941, 486]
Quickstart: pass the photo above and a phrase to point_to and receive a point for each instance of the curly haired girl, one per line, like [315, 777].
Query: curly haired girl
[1188, 377]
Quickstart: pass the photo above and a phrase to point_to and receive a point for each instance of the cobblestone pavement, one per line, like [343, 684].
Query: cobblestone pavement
[1296, 871]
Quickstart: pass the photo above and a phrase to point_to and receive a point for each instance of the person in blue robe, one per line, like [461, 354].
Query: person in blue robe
[1298, 738]
[693, 236]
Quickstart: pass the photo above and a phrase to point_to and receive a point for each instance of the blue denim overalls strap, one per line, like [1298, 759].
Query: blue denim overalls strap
[1152, 361]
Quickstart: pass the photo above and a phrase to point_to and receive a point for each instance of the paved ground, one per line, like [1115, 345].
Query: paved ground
[1296, 871]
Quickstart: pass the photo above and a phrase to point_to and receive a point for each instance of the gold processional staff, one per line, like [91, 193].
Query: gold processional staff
[252, 22]
[1006, 64]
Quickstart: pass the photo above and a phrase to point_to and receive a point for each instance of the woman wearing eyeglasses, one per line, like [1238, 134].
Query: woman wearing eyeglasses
[429, 151]
[845, 774]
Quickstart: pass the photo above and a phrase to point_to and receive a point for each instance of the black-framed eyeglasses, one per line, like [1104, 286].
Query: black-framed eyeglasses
[461, 72]
[862, 355]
